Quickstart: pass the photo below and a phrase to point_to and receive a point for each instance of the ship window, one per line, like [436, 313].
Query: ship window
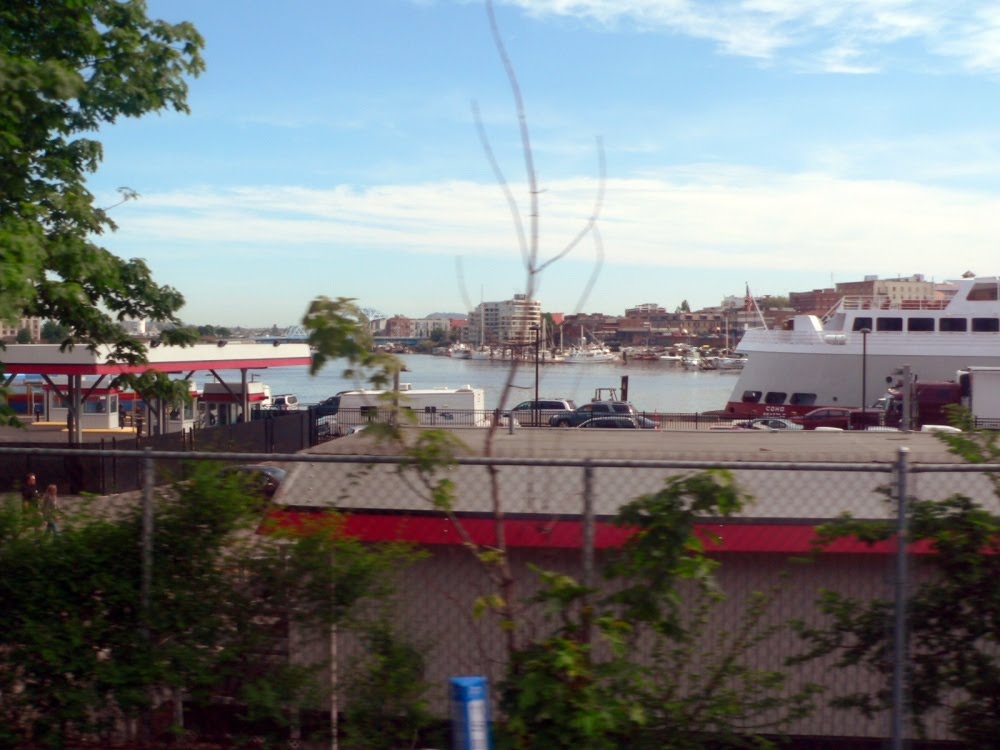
[985, 325]
[860, 323]
[953, 325]
[920, 324]
[803, 399]
[775, 397]
[983, 292]
[889, 324]
[751, 397]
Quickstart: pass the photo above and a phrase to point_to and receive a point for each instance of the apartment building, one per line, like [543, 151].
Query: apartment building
[9, 330]
[906, 288]
[400, 326]
[507, 322]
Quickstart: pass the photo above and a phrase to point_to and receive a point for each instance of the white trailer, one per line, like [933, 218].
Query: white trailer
[441, 407]
[982, 394]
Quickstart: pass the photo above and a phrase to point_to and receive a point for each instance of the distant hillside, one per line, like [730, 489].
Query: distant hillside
[450, 316]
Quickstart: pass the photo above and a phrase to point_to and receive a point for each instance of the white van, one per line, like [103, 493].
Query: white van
[440, 407]
[285, 402]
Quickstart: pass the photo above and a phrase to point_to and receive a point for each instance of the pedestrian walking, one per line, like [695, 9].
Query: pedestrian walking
[29, 493]
[50, 509]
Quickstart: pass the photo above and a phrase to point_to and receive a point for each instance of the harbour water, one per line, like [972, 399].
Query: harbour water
[653, 386]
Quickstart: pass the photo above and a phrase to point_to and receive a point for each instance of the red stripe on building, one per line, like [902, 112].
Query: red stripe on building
[568, 534]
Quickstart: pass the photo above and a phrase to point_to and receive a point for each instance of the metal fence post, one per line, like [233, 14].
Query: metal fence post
[148, 477]
[588, 544]
[899, 650]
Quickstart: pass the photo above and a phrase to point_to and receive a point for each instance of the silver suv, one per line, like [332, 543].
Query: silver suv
[540, 413]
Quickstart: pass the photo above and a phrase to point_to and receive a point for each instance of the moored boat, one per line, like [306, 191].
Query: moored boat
[849, 355]
[589, 355]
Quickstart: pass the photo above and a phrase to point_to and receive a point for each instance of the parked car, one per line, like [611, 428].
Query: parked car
[285, 402]
[594, 409]
[839, 417]
[259, 477]
[621, 421]
[768, 423]
[328, 407]
[544, 409]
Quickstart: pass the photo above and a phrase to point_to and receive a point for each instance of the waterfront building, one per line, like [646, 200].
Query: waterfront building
[908, 288]
[134, 326]
[645, 311]
[814, 302]
[507, 322]
[402, 327]
[9, 330]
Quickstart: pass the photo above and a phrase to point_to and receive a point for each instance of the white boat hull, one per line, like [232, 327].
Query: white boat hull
[792, 372]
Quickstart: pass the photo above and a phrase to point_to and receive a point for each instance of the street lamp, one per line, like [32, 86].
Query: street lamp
[864, 375]
[538, 332]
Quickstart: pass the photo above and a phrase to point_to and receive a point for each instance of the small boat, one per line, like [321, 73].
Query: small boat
[692, 361]
[730, 363]
[589, 355]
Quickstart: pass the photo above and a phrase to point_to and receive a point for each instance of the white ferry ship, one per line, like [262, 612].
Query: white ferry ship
[856, 349]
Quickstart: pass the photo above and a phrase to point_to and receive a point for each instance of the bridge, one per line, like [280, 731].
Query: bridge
[291, 335]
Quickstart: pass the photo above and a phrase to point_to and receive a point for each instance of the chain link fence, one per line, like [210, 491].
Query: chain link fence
[558, 515]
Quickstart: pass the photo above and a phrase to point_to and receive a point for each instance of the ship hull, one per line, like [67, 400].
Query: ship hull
[862, 345]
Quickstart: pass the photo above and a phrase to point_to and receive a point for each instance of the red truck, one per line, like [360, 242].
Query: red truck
[929, 405]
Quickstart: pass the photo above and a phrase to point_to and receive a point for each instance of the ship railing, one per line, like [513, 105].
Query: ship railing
[755, 340]
[882, 302]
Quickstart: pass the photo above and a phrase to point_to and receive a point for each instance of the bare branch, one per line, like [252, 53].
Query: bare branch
[522, 119]
[460, 274]
[598, 265]
[515, 213]
[594, 214]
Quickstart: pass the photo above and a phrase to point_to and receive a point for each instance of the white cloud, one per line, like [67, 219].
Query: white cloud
[705, 216]
[809, 34]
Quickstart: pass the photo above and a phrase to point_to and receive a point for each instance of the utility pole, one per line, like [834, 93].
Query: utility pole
[905, 418]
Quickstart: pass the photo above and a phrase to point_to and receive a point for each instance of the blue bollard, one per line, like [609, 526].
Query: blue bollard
[470, 713]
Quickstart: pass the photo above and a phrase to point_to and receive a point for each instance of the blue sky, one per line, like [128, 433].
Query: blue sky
[331, 149]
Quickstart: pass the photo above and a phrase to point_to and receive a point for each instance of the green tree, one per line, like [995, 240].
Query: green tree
[338, 329]
[690, 691]
[953, 614]
[385, 686]
[23, 336]
[53, 332]
[683, 307]
[67, 67]
[773, 302]
[81, 651]
[953, 621]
